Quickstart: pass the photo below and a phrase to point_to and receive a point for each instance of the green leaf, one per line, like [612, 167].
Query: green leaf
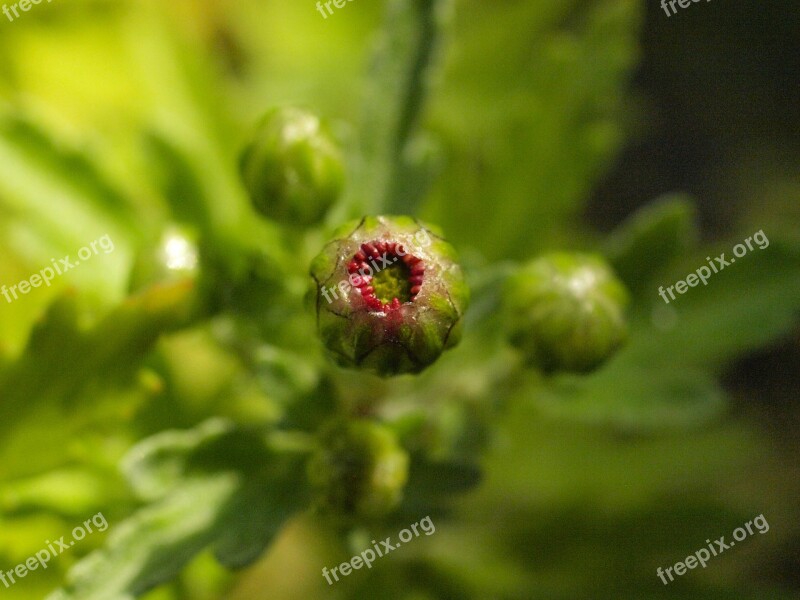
[68, 491]
[63, 357]
[397, 87]
[252, 519]
[179, 184]
[55, 199]
[154, 545]
[651, 239]
[433, 484]
[634, 398]
[743, 307]
[213, 486]
[53, 184]
[527, 136]
[154, 467]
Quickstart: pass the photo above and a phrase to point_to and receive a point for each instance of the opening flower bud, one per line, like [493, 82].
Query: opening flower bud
[566, 312]
[390, 295]
[293, 168]
[359, 469]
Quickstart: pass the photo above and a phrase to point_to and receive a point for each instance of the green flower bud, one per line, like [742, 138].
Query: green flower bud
[566, 312]
[389, 295]
[359, 469]
[293, 169]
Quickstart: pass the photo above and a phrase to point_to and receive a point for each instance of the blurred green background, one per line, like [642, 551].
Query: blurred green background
[549, 123]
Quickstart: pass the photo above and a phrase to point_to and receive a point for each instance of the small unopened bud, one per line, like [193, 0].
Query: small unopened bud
[390, 295]
[566, 312]
[293, 168]
[359, 469]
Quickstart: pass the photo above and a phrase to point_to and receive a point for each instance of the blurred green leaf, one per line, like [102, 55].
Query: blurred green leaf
[153, 545]
[71, 491]
[527, 135]
[651, 239]
[743, 307]
[64, 184]
[633, 398]
[64, 357]
[55, 199]
[396, 164]
[212, 486]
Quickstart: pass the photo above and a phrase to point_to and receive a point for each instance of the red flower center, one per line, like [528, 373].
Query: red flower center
[386, 275]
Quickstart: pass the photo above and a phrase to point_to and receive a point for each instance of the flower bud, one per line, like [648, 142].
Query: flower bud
[293, 168]
[389, 295]
[359, 469]
[566, 312]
